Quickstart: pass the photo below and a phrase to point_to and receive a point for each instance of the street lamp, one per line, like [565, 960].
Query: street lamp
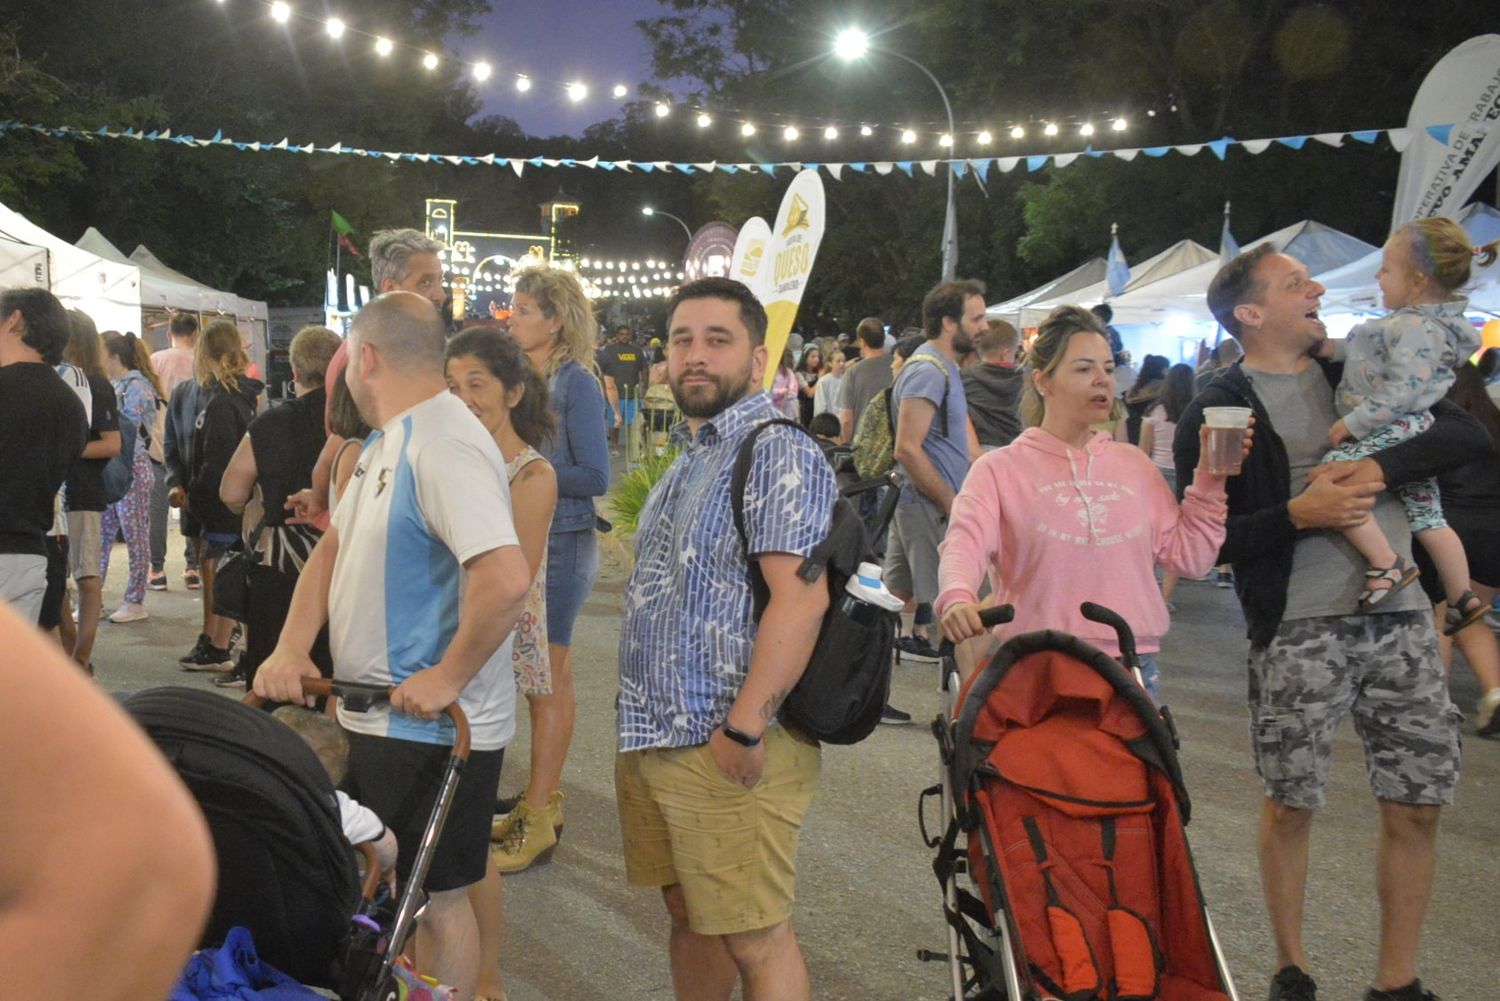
[648, 210]
[851, 44]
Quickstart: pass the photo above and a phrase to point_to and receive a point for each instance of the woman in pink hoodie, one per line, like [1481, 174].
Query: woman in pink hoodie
[1065, 515]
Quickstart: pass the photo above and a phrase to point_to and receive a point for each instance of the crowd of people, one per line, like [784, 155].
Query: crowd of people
[1030, 474]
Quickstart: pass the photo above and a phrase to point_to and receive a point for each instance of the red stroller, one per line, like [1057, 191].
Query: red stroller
[1065, 865]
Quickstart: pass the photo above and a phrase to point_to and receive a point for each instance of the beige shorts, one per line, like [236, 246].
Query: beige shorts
[732, 850]
[83, 543]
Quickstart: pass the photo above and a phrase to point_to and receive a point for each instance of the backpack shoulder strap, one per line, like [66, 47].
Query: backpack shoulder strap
[743, 459]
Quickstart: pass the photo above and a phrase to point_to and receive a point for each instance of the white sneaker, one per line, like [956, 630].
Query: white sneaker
[129, 612]
[1487, 717]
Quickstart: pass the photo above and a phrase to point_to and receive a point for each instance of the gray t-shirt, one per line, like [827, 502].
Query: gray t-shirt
[1327, 572]
[936, 380]
[865, 380]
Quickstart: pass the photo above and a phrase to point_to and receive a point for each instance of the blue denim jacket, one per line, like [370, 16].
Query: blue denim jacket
[579, 451]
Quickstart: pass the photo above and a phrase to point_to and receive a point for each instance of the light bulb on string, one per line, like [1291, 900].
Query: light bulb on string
[945, 140]
[1119, 125]
[1017, 132]
[334, 27]
[383, 46]
[704, 121]
[482, 71]
[523, 83]
[577, 91]
[790, 133]
[281, 12]
[747, 130]
[866, 131]
[984, 138]
[620, 90]
[1087, 129]
[430, 61]
[908, 137]
[1051, 129]
[830, 133]
[663, 109]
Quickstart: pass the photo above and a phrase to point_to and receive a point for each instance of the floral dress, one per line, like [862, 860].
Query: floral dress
[528, 649]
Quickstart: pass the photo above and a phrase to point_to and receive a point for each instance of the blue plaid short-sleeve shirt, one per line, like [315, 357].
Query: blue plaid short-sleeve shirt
[689, 623]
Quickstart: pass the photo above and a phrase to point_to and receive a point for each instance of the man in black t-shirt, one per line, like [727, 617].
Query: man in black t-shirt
[42, 430]
[624, 368]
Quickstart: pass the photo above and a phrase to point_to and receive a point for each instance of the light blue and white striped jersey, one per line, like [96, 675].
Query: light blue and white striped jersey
[429, 494]
[689, 623]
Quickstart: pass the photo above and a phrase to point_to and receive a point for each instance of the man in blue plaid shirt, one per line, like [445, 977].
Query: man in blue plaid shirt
[711, 789]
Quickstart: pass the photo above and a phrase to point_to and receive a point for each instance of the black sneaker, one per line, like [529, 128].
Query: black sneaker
[1411, 992]
[236, 635]
[157, 581]
[196, 651]
[892, 716]
[232, 679]
[1291, 984]
[915, 648]
[210, 658]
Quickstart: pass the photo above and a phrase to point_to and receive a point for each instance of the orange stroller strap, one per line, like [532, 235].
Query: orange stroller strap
[1078, 972]
[1137, 958]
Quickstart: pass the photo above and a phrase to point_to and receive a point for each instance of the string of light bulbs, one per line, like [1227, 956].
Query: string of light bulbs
[790, 131]
[384, 45]
[746, 124]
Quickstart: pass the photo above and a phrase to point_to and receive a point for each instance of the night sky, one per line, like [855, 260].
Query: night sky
[555, 41]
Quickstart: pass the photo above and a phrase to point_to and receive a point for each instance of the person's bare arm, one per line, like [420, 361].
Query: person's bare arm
[107, 871]
[783, 643]
[533, 497]
[846, 426]
[493, 599]
[1148, 436]
[975, 449]
[106, 447]
[238, 481]
[912, 423]
[612, 395]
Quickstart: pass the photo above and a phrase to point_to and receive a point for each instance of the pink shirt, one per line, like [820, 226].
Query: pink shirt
[173, 365]
[1056, 527]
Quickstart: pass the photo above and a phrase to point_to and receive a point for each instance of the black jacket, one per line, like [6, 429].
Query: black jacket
[1260, 536]
[220, 425]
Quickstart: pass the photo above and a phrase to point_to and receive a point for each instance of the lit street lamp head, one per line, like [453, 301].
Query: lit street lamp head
[851, 44]
[647, 210]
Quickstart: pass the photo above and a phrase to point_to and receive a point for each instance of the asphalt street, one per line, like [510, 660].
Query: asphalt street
[867, 900]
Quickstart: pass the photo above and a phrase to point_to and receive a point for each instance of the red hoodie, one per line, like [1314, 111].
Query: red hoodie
[1057, 527]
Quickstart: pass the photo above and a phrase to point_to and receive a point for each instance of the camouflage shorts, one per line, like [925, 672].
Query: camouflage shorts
[1385, 670]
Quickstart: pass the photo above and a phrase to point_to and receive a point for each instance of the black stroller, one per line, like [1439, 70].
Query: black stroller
[286, 872]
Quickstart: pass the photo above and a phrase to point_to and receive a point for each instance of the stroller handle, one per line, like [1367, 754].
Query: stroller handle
[1108, 617]
[997, 615]
[359, 697]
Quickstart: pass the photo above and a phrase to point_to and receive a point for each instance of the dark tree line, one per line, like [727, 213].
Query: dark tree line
[259, 223]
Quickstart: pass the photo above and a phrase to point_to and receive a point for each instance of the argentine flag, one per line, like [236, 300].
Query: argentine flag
[1117, 271]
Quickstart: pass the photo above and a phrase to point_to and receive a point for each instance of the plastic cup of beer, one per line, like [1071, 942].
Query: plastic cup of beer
[1226, 439]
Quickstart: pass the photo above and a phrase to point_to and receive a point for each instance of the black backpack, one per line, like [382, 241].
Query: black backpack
[848, 678]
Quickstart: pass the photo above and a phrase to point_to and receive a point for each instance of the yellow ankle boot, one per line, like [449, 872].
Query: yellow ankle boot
[500, 828]
[531, 837]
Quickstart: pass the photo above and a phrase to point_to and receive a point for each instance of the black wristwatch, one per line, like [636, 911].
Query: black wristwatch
[739, 736]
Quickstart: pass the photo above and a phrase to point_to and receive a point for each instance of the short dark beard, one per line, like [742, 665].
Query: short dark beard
[725, 396]
[962, 342]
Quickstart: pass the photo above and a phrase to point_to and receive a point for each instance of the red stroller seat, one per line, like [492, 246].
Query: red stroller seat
[1069, 796]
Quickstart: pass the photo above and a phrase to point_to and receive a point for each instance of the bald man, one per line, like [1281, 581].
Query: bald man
[421, 580]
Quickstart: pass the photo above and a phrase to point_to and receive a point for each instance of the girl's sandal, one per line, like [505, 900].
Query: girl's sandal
[1462, 614]
[1394, 577]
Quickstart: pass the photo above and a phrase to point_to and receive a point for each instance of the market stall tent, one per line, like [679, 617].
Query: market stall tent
[22, 264]
[1181, 256]
[160, 287]
[108, 291]
[1089, 273]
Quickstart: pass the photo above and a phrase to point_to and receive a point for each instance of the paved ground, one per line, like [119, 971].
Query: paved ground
[867, 899]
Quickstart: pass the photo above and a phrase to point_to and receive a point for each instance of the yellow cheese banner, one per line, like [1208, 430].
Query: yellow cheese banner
[752, 247]
[792, 250]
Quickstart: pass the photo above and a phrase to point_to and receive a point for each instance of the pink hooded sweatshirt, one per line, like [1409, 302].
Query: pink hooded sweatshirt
[1057, 527]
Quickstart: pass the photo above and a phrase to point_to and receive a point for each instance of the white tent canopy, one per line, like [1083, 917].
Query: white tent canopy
[1181, 299]
[211, 300]
[159, 286]
[1181, 256]
[22, 264]
[108, 291]
[1352, 288]
[1088, 273]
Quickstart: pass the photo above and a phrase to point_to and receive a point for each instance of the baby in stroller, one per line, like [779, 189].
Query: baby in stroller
[360, 824]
